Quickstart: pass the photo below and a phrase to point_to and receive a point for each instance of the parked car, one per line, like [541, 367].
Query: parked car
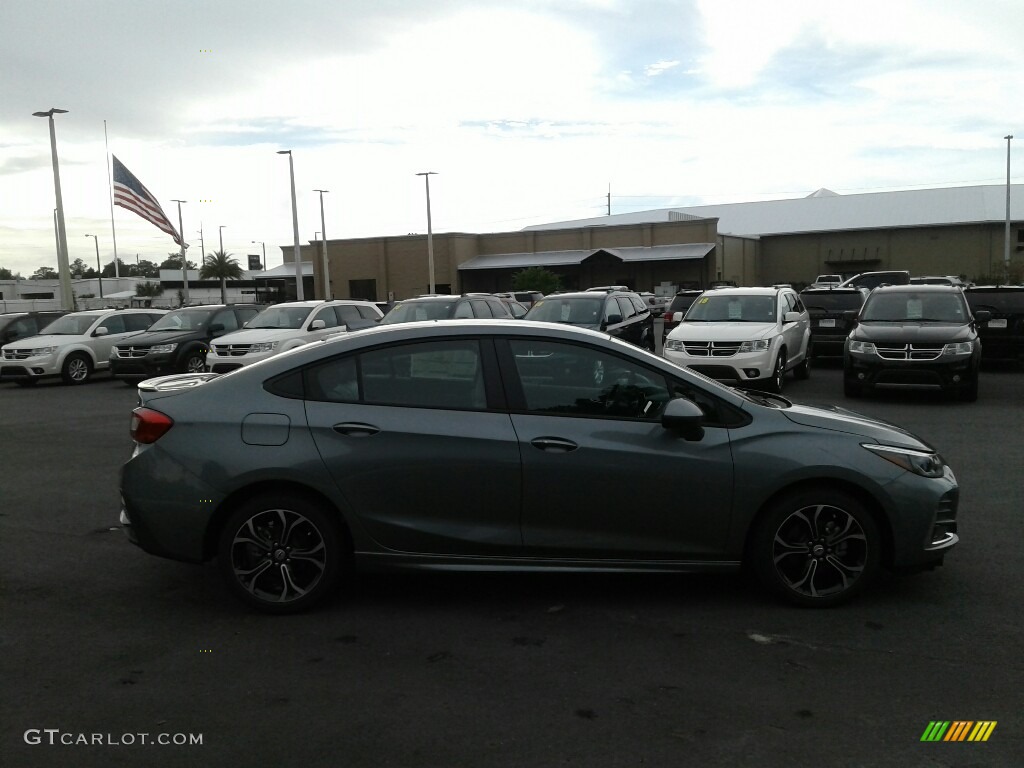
[677, 308]
[297, 473]
[448, 307]
[526, 298]
[21, 325]
[285, 326]
[831, 320]
[179, 341]
[872, 280]
[938, 280]
[657, 304]
[74, 346]
[826, 281]
[914, 336]
[517, 310]
[747, 336]
[617, 313]
[609, 288]
[1002, 335]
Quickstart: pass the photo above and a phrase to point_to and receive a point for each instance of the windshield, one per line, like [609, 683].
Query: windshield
[280, 317]
[734, 308]
[578, 310]
[71, 325]
[182, 320]
[832, 301]
[914, 307]
[411, 311]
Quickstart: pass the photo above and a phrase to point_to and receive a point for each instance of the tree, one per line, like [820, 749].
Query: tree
[122, 269]
[173, 261]
[148, 289]
[146, 268]
[6, 274]
[79, 268]
[536, 279]
[44, 273]
[222, 266]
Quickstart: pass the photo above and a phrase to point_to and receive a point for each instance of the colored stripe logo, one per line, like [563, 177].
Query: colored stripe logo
[959, 730]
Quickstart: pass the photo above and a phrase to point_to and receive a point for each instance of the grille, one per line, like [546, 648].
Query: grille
[16, 354]
[945, 524]
[711, 348]
[130, 352]
[231, 350]
[909, 351]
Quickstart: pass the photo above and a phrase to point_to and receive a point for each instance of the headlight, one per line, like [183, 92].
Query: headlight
[263, 346]
[758, 345]
[675, 345]
[960, 348]
[163, 347]
[42, 351]
[919, 462]
[864, 347]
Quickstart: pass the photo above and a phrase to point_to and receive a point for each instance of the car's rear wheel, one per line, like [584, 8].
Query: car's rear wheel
[281, 553]
[77, 369]
[816, 547]
[194, 362]
[803, 370]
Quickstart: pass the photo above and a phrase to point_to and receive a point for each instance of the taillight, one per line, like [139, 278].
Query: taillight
[668, 317]
[148, 425]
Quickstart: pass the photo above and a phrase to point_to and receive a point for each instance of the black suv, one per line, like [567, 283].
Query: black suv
[831, 311]
[467, 306]
[621, 314]
[178, 341]
[872, 280]
[19, 325]
[674, 312]
[917, 336]
[1002, 335]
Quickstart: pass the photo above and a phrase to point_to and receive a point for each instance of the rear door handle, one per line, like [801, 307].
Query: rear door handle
[355, 429]
[554, 444]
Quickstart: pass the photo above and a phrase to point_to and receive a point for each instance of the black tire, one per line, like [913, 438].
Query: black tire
[776, 381]
[77, 368]
[193, 362]
[816, 548]
[803, 371]
[281, 553]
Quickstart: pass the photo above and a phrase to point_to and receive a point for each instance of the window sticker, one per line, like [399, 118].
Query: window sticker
[914, 310]
[703, 301]
[735, 310]
[565, 312]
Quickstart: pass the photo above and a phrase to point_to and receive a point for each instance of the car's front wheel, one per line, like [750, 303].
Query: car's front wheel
[77, 368]
[816, 547]
[775, 383]
[281, 553]
[194, 362]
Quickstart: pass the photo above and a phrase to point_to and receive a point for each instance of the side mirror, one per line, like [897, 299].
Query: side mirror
[101, 331]
[685, 417]
[613, 320]
[982, 316]
[317, 325]
[791, 317]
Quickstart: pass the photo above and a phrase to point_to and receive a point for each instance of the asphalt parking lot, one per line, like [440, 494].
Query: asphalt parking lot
[489, 670]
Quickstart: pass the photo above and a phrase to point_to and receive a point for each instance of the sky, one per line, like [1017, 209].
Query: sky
[528, 111]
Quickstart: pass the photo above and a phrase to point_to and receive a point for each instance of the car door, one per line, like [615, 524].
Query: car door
[593, 449]
[331, 324]
[416, 442]
[101, 345]
[799, 333]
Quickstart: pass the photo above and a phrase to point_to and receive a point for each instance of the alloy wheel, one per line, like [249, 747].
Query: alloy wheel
[819, 551]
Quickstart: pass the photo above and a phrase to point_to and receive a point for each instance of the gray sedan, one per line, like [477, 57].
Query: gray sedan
[382, 449]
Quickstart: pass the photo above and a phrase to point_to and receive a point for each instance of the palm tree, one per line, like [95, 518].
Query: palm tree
[222, 266]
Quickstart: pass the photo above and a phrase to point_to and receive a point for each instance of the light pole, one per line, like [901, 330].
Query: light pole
[264, 251]
[323, 247]
[220, 231]
[202, 243]
[430, 232]
[295, 227]
[1006, 235]
[67, 299]
[99, 269]
[184, 262]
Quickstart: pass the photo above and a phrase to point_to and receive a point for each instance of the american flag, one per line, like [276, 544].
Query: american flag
[129, 193]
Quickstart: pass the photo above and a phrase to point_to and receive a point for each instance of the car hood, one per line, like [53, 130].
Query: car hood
[911, 333]
[839, 419]
[723, 331]
[45, 340]
[254, 335]
[148, 338]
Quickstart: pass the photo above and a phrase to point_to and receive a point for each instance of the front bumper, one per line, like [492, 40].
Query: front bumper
[12, 367]
[873, 371]
[150, 365]
[739, 367]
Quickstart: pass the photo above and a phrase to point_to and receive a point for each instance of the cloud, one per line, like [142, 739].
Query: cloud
[653, 70]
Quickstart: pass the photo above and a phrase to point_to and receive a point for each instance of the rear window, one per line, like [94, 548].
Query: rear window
[832, 301]
[1002, 301]
[680, 303]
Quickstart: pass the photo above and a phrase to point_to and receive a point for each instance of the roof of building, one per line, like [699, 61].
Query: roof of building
[825, 211]
[560, 258]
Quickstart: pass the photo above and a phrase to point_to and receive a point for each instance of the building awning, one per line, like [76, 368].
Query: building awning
[575, 258]
[120, 295]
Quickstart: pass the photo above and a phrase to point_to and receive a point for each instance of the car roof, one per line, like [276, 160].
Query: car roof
[918, 289]
[735, 291]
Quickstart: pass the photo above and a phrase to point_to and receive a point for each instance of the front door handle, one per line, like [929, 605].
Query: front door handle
[554, 444]
[355, 429]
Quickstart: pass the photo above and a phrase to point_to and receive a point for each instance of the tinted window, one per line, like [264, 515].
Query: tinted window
[335, 381]
[226, 318]
[498, 308]
[680, 303]
[463, 309]
[913, 306]
[135, 322]
[71, 325]
[410, 311]
[246, 314]
[482, 309]
[113, 324]
[1005, 301]
[626, 308]
[832, 301]
[738, 308]
[348, 313]
[20, 328]
[181, 320]
[436, 374]
[580, 310]
[328, 315]
[574, 380]
[369, 313]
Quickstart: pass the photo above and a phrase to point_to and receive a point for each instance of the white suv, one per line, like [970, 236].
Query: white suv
[744, 335]
[285, 326]
[74, 346]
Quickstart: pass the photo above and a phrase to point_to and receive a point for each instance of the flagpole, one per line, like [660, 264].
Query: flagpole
[110, 189]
